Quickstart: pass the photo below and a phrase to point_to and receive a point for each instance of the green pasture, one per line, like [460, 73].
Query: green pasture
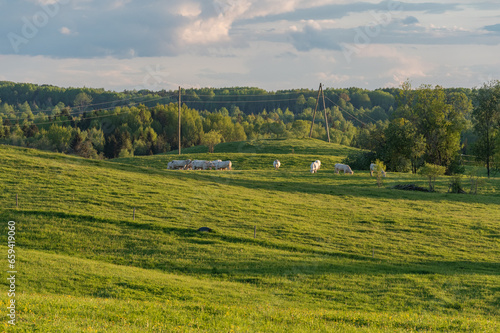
[331, 253]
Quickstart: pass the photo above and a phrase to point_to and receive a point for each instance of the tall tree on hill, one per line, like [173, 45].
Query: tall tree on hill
[437, 118]
[487, 121]
[82, 100]
[211, 139]
[111, 147]
[404, 145]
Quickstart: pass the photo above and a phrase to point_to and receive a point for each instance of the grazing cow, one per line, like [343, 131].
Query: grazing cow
[343, 167]
[212, 164]
[223, 165]
[276, 164]
[178, 164]
[315, 166]
[200, 165]
[373, 168]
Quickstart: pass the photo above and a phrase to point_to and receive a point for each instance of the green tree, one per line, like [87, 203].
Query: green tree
[300, 103]
[432, 171]
[211, 139]
[437, 118]
[82, 100]
[60, 137]
[379, 172]
[96, 137]
[403, 145]
[486, 115]
[277, 128]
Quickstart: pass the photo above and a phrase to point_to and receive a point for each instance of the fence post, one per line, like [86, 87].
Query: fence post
[133, 216]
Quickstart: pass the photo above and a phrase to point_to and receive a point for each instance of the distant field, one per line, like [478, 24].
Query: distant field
[294, 154]
[268, 146]
[332, 253]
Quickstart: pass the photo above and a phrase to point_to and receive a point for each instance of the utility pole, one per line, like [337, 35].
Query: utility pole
[314, 114]
[324, 108]
[179, 120]
[320, 91]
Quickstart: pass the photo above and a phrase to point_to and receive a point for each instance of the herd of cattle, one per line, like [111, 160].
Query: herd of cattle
[226, 165]
[199, 165]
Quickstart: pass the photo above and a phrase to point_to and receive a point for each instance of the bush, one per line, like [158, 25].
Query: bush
[431, 171]
[379, 172]
[456, 185]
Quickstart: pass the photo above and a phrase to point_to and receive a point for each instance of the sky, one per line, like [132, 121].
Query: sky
[276, 44]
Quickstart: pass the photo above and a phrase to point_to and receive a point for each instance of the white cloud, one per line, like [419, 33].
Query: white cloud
[188, 9]
[65, 31]
[214, 29]
[269, 43]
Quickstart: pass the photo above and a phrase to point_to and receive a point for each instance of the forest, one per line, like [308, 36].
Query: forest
[404, 127]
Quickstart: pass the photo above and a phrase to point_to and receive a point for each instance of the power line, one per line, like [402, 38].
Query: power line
[108, 102]
[258, 101]
[76, 112]
[342, 109]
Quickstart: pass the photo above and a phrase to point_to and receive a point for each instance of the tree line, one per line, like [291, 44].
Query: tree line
[404, 127]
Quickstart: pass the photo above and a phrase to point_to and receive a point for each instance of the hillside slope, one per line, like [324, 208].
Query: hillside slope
[331, 253]
[294, 154]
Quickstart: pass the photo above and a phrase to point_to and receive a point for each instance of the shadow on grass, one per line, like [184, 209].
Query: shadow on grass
[314, 261]
[320, 183]
[343, 186]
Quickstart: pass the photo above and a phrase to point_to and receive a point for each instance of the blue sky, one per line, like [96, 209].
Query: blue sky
[276, 44]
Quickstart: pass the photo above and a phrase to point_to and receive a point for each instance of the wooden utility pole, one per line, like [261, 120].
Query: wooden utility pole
[314, 114]
[326, 118]
[320, 91]
[179, 130]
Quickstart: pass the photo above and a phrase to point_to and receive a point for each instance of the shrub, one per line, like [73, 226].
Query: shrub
[456, 184]
[431, 171]
[380, 172]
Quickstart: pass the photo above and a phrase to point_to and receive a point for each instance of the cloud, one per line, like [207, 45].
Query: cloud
[65, 31]
[214, 29]
[492, 28]
[335, 11]
[132, 28]
[385, 30]
[410, 20]
[312, 37]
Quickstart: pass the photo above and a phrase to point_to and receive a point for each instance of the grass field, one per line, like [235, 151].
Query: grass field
[332, 253]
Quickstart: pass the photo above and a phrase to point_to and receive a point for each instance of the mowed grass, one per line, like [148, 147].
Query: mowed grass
[331, 253]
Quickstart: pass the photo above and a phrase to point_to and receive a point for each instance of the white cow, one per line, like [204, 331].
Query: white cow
[315, 166]
[178, 164]
[223, 165]
[213, 163]
[373, 168]
[343, 167]
[276, 164]
[200, 165]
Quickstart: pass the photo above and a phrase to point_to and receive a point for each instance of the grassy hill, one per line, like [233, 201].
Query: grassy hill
[331, 253]
[269, 146]
[294, 154]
